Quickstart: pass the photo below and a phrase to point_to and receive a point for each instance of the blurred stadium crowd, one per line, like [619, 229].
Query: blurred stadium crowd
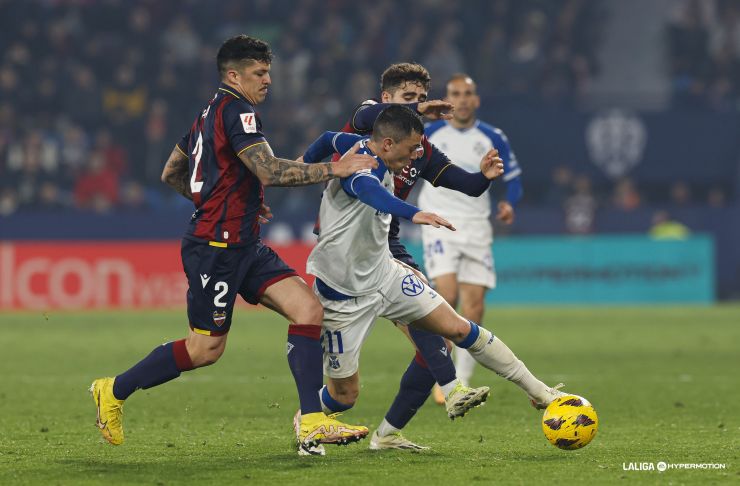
[94, 94]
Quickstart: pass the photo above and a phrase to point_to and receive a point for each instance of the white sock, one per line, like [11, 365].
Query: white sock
[446, 389]
[386, 429]
[492, 353]
[464, 365]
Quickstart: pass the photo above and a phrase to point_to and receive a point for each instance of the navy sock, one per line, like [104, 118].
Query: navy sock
[416, 384]
[332, 404]
[433, 349]
[163, 364]
[305, 358]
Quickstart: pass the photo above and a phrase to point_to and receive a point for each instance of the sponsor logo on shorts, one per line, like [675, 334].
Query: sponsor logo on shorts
[334, 362]
[219, 318]
[411, 285]
[289, 348]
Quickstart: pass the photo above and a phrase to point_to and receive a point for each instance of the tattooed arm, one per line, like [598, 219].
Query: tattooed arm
[274, 171]
[176, 173]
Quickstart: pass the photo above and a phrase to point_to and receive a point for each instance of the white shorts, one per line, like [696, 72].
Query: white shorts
[468, 255]
[402, 298]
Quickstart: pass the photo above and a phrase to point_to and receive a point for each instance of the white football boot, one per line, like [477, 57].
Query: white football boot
[464, 398]
[393, 441]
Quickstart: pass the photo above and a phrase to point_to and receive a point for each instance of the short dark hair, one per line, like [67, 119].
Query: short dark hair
[240, 49]
[397, 122]
[399, 74]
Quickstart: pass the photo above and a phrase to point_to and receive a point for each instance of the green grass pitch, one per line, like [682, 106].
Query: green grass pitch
[664, 382]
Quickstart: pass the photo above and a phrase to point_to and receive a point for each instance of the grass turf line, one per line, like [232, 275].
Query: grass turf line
[663, 381]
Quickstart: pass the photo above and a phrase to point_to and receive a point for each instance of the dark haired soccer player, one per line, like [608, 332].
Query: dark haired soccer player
[222, 164]
[409, 83]
[357, 280]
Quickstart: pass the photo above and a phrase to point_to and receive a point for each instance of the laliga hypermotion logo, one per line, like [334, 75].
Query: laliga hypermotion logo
[616, 141]
[411, 285]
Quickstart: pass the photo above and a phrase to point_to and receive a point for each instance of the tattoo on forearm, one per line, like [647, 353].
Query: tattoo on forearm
[274, 171]
[176, 174]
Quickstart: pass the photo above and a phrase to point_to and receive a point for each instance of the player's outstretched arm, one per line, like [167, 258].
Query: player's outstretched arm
[176, 173]
[365, 115]
[274, 171]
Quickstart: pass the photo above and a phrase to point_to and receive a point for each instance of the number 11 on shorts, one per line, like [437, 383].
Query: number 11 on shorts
[330, 340]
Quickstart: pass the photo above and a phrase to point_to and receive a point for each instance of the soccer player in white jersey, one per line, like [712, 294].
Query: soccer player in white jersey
[357, 280]
[461, 263]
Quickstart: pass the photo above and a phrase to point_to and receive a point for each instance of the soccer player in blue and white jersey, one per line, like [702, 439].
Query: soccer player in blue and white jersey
[461, 263]
[358, 279]
[409, 83]
[222, 164]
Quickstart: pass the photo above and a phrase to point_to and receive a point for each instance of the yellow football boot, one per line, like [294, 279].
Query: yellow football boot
[318, 428]
[110, 410]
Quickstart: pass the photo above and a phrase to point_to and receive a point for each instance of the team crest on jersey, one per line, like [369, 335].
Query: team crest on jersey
[411, 285]
[334, 362]
[219, 318]
[249, 122]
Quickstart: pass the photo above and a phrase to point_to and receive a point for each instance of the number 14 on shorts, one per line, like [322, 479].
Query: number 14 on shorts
[330, 338]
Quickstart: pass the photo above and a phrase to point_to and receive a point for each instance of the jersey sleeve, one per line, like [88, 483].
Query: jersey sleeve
[501, 143]
[512, 171]
[438, 163]
[370, 191]
[182, 145]
[329, 143]
[242, 126]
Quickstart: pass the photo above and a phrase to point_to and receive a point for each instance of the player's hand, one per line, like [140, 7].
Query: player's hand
[352, 162]
[265, 214]
[422, 217]
[436, 109]
[505, 212]
[491, 165]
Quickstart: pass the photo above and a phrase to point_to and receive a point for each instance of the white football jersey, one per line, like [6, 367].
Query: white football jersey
[352, 254]
[465, 148]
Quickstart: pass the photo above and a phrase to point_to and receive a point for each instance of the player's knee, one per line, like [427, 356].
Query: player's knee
[311, 313]
[205, 354]
[460, 331]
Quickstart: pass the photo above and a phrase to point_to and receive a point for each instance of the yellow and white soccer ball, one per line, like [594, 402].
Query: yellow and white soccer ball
[570, 422]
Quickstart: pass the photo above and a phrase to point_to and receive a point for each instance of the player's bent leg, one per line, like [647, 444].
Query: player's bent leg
[488, 350]
[471, 308]
[340, 394]
[447, 286]
[204, 350]
[292, 298]
[163, 364]
[315, 429]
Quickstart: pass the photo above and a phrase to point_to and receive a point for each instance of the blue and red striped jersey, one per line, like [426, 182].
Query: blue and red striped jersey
[226, 194]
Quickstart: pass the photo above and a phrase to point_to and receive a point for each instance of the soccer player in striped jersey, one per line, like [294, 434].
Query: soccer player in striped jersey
[222, 164]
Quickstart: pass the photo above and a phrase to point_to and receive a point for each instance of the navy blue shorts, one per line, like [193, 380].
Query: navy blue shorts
[217, 274]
